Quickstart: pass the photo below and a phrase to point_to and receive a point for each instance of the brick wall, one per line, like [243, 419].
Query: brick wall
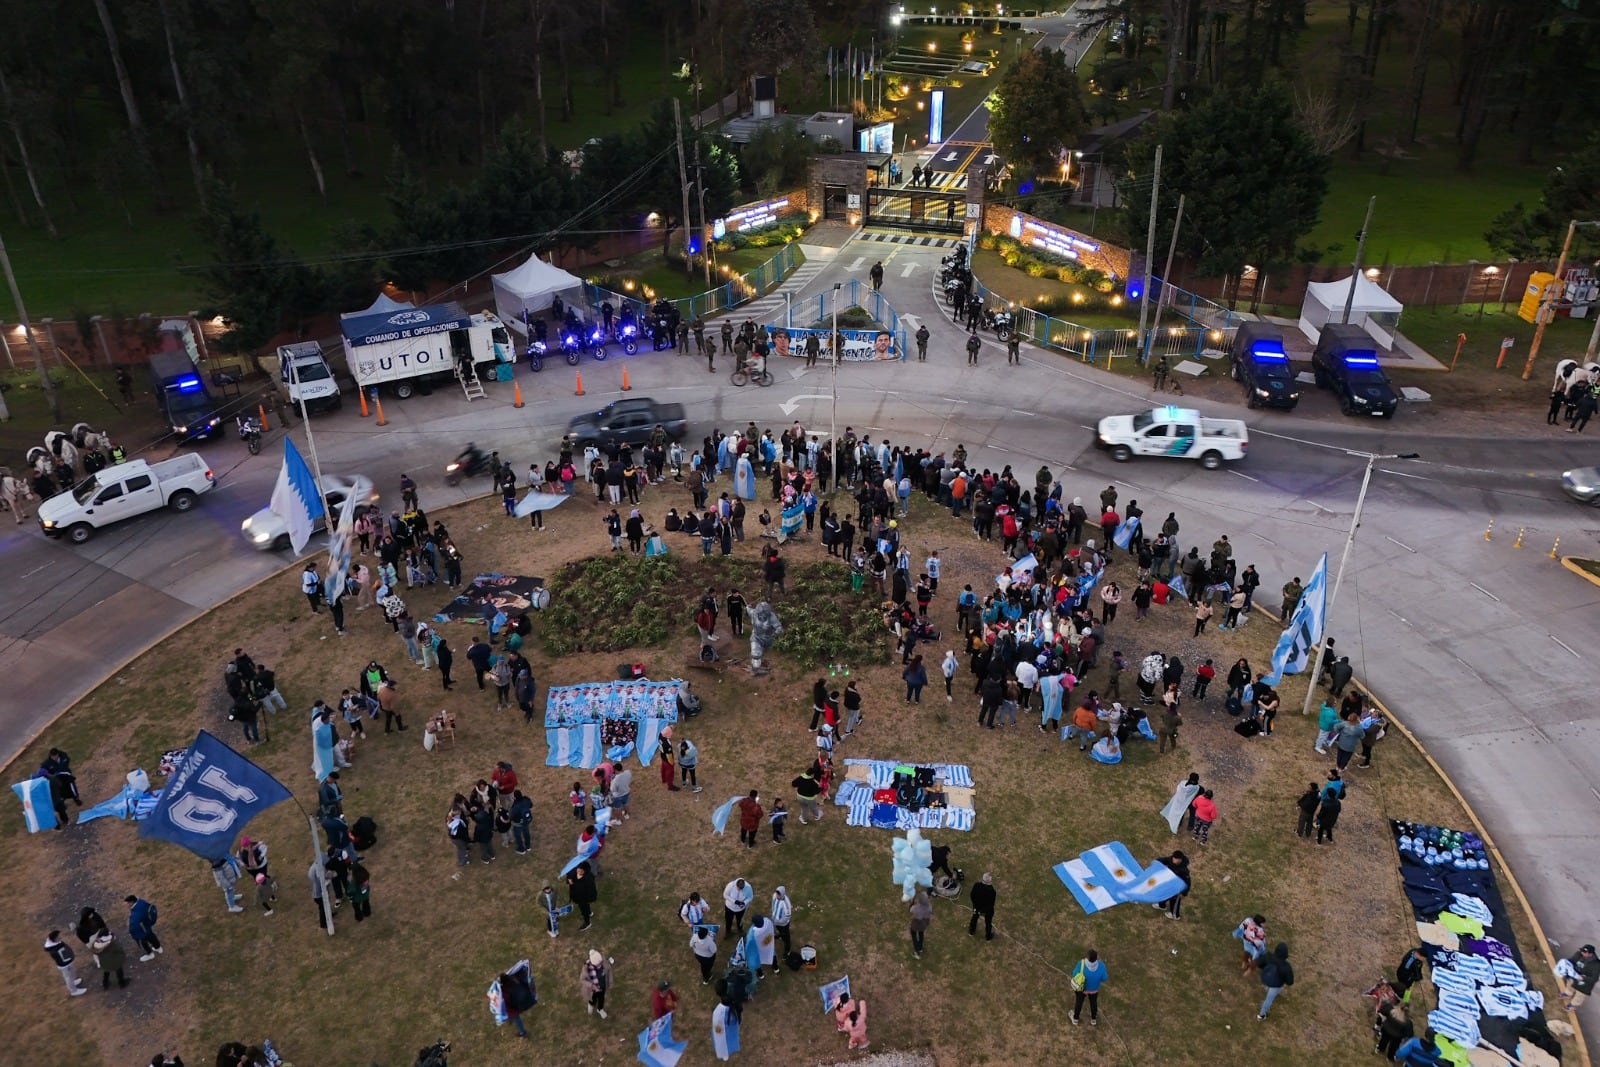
[1112, 259]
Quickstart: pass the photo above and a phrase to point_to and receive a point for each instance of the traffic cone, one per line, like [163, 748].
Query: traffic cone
[379, 405]
[362, 393]
[516, 393]
[580, 385]
[262, 412]
[625, 385]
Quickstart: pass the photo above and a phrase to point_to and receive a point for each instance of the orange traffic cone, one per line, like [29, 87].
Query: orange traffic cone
[625, 385]
[516, 393]
[262, 412]
[580, 385]
[379, 405]
[362, 393]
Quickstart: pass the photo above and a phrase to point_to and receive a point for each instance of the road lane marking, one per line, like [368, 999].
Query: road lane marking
[1402, 544]
[1484, 591]
[1564, 645]
[1246, 477]
[36, 570]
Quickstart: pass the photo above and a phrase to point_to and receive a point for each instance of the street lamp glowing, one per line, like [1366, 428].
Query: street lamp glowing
[932, 47]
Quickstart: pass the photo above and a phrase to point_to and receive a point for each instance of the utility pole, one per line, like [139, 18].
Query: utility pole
[1149, 256]
[1166, 272]
[683, 182]
[1552, 296]
[1355, 272]
[49, 387]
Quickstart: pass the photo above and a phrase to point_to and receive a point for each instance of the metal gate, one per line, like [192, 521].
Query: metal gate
[924, 209]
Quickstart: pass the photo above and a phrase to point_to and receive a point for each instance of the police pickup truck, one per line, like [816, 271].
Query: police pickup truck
[124, 490]
[1177, 433]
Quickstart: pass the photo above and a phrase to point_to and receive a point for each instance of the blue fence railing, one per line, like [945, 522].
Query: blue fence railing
[738, 289]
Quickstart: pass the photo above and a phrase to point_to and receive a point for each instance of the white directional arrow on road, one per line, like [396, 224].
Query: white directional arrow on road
[911, 321]
[989, 159]
[857, 264]
[906, 273]
[796, 372]
[793, 402]
[950, 157]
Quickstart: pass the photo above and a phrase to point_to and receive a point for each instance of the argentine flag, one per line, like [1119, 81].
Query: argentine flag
[656, 1047]
[538, 502]
[1304, 628]
[37, 810]
[744, 479]
[295, 499]
[724, 1032]
[322, 750]
[719, 817]
[1178, 587]
[1124, 535]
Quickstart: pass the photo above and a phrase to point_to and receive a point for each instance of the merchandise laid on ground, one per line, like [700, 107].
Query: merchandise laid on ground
[611, 720]
[1482, 990]
[489, 594]
[894, 795]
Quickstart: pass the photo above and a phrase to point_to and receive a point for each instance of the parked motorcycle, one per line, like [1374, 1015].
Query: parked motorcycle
[627, 335]
[1001, 322]
[536, 354]
[955, 290]
[571, 344]
[250, 433]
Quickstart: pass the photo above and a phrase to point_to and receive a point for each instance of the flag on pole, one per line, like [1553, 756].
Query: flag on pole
[37, 810]
[1304, 628]
[339, 551]
[537, 502]
[212, 795]
[295, 498]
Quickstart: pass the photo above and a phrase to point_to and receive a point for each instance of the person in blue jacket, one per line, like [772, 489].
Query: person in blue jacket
[142, 927]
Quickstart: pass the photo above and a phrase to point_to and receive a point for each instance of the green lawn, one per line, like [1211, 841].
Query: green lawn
[650, 271]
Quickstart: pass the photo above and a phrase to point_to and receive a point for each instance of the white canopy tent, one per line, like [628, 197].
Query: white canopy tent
[1373, 309]
[529, 288]
[384, 303]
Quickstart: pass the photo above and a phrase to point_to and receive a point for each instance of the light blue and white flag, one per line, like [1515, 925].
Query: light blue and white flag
[538, 502]
[831, 991]
[899, 471]
[1304, 629]
[322, 749]
[724, 461]
[1124, 535]
[295, 499]
[724, 1032]
[129, 803]
[1177, 586]
[37, 810]
[585, 850]
[719, 817]
[656, 1047]
[213, 795]
[339, 551]
[793, 518]
[744, 479]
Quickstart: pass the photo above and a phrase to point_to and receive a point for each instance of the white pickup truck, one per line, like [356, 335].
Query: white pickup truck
[1178, 433]
[123, 491]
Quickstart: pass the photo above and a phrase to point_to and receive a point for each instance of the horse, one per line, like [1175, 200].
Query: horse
[41, 460]
[90, 439]
[61, 446]
[16, 495]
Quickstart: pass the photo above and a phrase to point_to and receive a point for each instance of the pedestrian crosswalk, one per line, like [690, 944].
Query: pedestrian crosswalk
[909, 239]
[766, 309]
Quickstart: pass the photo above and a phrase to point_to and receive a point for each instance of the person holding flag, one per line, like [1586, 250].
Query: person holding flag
[1303, 624]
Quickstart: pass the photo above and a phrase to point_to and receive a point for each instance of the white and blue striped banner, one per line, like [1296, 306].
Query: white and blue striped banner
[724, 1032]
[1303, 629]
[37, 810]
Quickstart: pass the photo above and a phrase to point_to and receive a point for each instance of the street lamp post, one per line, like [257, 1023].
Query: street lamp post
[833, 411]
[1338, 578]
[1551, 295]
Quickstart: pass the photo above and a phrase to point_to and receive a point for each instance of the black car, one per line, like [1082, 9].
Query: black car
[1260, 362]
[1346, 361]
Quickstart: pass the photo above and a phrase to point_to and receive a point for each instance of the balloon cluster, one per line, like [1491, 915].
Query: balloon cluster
[912, 859]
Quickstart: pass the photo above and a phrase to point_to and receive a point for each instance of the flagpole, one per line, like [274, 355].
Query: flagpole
[305, 418]
[1349, 542]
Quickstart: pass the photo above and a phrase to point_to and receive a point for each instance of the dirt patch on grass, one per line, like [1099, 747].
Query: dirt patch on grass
[418, 969]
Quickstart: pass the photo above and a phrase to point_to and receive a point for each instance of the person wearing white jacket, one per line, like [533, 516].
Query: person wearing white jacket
[948, 668]
[782, 912]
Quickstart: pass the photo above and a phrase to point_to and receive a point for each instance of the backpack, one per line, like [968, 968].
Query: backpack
[1078, 977]
[1233, 706]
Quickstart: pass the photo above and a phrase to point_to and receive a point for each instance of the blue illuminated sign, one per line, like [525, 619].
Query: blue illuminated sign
[936, 116]
[188, 384]
[1057, 240]
[1360, 361]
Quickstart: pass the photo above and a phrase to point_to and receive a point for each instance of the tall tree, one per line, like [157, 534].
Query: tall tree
[778, 34]
[1037, 112]
[130, 103]
[1571, 191]
[1252, 179]
[14, 108]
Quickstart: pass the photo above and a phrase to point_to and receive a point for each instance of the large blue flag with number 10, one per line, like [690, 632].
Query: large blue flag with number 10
[210, 798]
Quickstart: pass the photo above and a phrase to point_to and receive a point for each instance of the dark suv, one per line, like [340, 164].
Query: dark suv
[1260, 362]
[1346, 361]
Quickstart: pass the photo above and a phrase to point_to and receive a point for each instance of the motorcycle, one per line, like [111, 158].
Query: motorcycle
[469, 464]
[595, 340]
[571, 345]
[627, 335]
[1000, 322]
[536, 354]
[250, 433]
[955, 290]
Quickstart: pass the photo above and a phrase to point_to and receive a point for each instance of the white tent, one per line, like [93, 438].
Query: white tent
[1373, 309]
[384, 303]
[530, 287]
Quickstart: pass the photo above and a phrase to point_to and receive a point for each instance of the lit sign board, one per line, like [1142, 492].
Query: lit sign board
[879, 138]
[755, 216]
[719, 229]
[1053, 239]
[936, 116]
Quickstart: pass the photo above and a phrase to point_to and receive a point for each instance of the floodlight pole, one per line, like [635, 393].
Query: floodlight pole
[1349, 541]
[1355, 273]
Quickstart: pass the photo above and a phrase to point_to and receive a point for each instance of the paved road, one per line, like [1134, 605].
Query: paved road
[1485, 648]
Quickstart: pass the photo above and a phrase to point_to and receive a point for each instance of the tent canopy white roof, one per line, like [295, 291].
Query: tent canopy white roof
[1373, 308]
[385, 303]
[530, 287]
